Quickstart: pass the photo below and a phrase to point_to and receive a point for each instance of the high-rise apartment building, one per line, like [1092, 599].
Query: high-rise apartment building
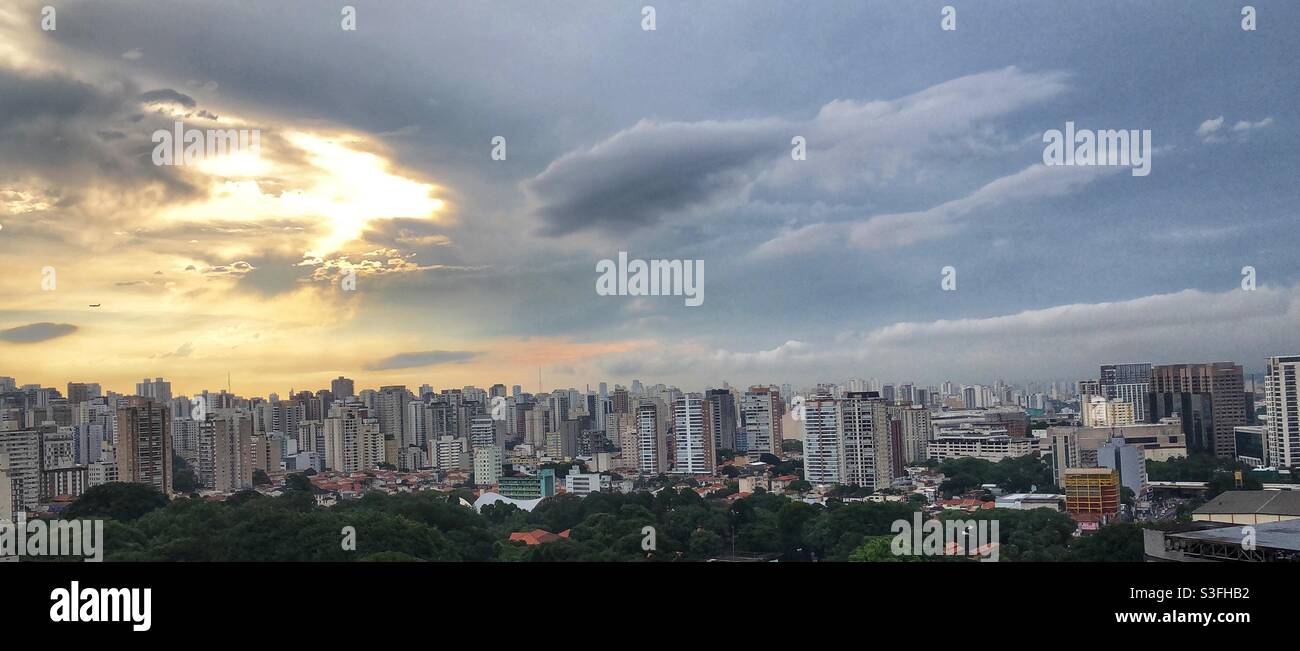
[79, 392]
[342, 388]
[487, 464]
[693, 436]
[353, 441]
[761, 411]
[144, 442]
[390, 404]
[21, 460]
[821, 440]
[652, 453]
[1282, 436]
[857, 443]
[158, 390]
[724, 417]
[914, 424]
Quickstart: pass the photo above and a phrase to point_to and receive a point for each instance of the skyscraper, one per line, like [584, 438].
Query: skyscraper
[1127, 382]
[342, 388]
[761, 410]
[158, 389]
[144, 442]
[651, 447]
[21, 461]
[821, 440]
[1282, 435]
[914, 424]
[390, 404]
[856, 423]
[1210, 399]
[693, 435]
[78, 393]
[724, 418]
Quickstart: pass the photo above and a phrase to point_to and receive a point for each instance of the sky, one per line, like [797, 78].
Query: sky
[924, 150]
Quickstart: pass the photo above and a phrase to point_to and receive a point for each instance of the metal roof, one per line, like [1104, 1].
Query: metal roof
[1259, 502]
[1284, 535]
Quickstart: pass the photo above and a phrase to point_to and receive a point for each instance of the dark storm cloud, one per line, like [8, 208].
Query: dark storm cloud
[37, 332]
[419, 359]
[72, 134]
[638, 176]
[164, 95]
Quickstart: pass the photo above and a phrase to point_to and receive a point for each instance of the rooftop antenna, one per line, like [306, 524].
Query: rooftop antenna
[539, 379]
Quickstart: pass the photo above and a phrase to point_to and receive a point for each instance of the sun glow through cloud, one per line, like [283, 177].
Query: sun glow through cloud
[341, 184]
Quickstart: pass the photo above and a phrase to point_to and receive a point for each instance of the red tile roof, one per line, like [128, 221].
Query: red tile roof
[537, 536]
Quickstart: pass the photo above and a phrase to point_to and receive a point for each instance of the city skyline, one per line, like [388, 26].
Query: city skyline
[923, 153]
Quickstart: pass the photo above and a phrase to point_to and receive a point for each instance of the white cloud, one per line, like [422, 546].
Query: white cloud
[1185, 326]
[653, 169]
[1212, 130]
[1209, 127]
[904, 229]
[1245, 125]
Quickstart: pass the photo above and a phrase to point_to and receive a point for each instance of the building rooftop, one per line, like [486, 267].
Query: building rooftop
[1283, 535]
[1030, 496]
[1258, 502]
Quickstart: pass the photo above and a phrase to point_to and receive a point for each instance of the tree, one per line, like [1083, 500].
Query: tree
[705, 544]
[116, 500]
[183, 478]
[877, 549]
[792, 445]
[389, 557]
[1111, 543]
[260, 478]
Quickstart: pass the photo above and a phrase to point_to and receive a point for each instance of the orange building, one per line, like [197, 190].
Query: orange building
[1091, 491]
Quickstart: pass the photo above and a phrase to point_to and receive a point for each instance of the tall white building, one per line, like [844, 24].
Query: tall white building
[449, 453]
[417, 425]
[856, 426]
[693, 436]
[21, 450]
[1283, 409]
[652, 454]
[761, 411]
[821, 441]
[484, 431]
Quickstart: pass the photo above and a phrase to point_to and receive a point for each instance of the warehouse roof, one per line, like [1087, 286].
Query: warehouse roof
[1258, 502]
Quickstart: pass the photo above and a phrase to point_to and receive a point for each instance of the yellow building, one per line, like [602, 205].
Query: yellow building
[1091, 491]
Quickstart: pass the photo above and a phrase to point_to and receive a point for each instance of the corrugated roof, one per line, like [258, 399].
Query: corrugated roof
[1284, 535]
[1260, 502]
